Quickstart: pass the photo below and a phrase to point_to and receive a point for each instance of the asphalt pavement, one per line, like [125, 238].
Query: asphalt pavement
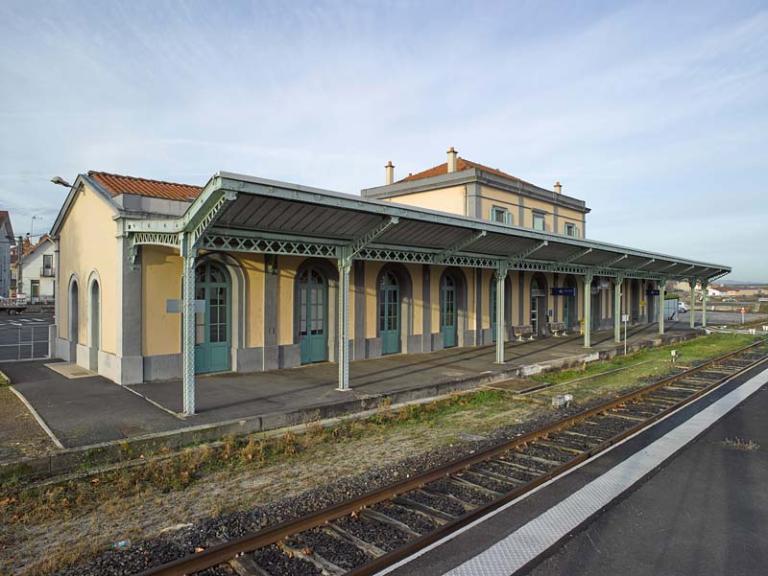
[704, 513]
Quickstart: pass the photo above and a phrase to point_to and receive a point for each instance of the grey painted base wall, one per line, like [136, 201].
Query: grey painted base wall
[135, 369]
[415, 344]
[373, 347]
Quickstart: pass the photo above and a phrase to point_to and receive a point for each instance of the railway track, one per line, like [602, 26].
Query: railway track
[364, 535]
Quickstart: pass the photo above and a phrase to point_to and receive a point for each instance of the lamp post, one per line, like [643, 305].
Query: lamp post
[60, 181]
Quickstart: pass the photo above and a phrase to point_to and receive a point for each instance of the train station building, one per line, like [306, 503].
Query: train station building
[159, 281]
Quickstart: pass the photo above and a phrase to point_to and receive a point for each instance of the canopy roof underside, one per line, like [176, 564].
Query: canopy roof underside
[244, 213]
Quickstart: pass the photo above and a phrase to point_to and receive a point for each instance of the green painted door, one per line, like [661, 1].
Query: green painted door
[312, 314]
[448, 315]
[494, 303]
[535, 315]
[569, 311]
[595, 307]
[389, 314]
[212, 333]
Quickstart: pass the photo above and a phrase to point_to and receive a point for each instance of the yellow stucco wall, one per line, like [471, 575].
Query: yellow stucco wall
[548, 209]
[253, 270]
[485, 287]
[491, 197]
[451, 200]
[434, 296]
[287, 272]
[87, 243]
[418, 300]
[371, 314]
[161, 280]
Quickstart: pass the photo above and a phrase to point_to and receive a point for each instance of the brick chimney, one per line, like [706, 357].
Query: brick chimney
[558, 187]
[389, 170]
[452, 157]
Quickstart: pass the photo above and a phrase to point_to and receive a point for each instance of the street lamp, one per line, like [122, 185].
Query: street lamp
[60, 181]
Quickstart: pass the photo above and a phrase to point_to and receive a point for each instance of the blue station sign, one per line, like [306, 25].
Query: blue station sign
[652, 292]
[563, 291]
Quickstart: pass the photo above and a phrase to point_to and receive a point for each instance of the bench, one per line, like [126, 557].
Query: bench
[557, 328]
[524, 332]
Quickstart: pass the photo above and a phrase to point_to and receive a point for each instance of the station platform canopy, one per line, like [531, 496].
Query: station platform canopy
[240, 213]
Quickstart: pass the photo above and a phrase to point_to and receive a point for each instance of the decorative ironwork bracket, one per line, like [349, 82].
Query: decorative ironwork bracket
[459, 246]
[576, 255]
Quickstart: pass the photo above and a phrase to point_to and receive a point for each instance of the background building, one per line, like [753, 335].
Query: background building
[38, 273]
[6, 241]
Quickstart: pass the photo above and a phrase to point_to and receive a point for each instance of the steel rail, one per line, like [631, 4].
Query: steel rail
[227, 551]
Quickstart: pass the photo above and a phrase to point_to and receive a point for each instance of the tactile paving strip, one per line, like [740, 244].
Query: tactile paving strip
[530, 541]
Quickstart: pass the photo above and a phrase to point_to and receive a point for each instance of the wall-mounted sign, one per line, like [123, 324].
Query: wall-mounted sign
[561, 291]
[652, 292]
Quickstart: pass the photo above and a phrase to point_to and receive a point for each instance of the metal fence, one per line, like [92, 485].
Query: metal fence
[24, 342]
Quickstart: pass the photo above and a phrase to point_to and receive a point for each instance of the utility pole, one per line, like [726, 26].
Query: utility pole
[19, 262]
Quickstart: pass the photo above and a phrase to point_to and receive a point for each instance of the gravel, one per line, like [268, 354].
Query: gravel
[276, 563]
[464, 493]
[488, 482]
[546, 452]
[330, 547]
[417, 522]
[437, 502]
[170, 546]
[383, 536]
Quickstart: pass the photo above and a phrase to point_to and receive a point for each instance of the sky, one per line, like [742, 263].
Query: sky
[654, 113]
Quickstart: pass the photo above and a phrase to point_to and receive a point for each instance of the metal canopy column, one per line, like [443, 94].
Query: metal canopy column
[501, 275]
[617, 293]
[188, 254]
[588, 309]
[662, 295]
[704, 284]
[344, 263]
[692, 309]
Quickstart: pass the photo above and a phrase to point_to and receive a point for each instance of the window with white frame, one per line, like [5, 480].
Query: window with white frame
[571, 229]
[538, 221]
[500, 215]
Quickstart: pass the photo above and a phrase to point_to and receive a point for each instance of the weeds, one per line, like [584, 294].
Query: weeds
[740, 444]
[442, 420]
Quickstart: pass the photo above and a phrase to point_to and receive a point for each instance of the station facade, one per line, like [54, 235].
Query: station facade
[158, 280]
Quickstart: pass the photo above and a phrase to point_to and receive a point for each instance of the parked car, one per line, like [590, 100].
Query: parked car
[681, 307]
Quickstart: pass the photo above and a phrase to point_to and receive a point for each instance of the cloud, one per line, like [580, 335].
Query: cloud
[656, 115]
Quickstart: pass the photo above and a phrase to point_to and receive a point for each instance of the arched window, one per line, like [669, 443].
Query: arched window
[74, 314]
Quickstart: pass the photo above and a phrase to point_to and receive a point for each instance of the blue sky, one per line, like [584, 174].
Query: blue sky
[655, 113]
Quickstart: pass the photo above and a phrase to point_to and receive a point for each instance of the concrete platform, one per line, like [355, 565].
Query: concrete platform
[85, 411]
[229, 396]
[705, 513]
[701, 511]
[93, 410]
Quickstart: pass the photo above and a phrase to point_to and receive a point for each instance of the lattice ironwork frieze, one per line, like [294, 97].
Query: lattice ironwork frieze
[267, 246]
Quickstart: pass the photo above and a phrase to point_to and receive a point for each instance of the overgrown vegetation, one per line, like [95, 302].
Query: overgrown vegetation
[741, 444]
[289, 463]
[654, 360]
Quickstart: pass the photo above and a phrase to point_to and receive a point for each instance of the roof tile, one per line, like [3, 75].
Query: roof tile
[461, 164]
[117, 184]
